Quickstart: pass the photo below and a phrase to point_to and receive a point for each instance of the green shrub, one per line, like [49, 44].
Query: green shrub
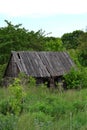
[79, 121]
[26, 122]
[76, 79]
[79, 106]
[8, 122]
[34, 121]
[32, 82]
[2, 69]
[5, 107]
[14, 103]
[42, 119]
[84, 77]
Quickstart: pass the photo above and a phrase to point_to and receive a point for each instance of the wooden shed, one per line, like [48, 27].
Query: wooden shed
[44, 66]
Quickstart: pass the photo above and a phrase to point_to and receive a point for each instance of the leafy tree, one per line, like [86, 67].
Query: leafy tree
[83, 49]
[54, 45]
[36, 40]
[71, 40]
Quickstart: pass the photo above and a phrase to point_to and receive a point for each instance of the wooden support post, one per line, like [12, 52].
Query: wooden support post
[51, 82]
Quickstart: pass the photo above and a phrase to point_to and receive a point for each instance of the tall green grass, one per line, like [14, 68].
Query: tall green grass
[45, 109]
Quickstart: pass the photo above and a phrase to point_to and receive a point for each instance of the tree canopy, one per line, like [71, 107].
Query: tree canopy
[71, 40]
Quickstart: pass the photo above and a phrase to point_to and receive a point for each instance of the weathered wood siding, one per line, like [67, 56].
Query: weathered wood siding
[12, 70]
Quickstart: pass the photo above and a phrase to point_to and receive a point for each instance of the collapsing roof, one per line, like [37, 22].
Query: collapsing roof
[40, 64]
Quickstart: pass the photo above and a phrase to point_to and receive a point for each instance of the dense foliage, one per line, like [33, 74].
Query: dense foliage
[77, 40]
[76, 79]
[71, 40]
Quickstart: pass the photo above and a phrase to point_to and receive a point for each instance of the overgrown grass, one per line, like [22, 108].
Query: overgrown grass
[44, 109]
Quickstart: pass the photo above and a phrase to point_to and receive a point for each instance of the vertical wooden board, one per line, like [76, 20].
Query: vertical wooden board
[46, 62]
[53, 63]
[66, 62]
[62, 58]
[56, 63]
[35, 67]
[17, 61]
[50, 65]
[68, 58]
[60, 64]
[27, 63]
[24, 70]
[42, 67]
[67, 65]
[62, 61]
[8, 72]
[30, 65]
